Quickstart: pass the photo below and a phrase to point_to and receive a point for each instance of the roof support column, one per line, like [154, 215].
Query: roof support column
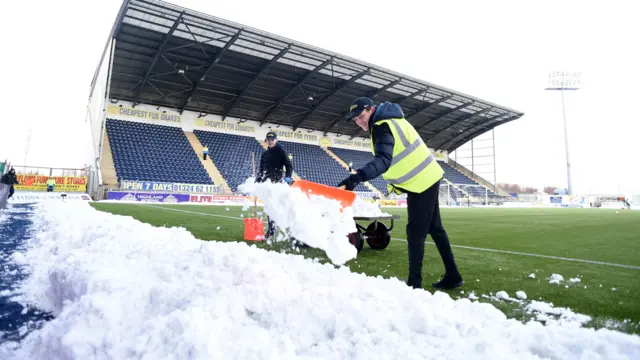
[337, 90]
[206, 72]
[262, 71]
[159, 52]
[293, 88]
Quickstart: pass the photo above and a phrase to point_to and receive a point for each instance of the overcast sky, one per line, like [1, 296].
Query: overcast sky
[500, 51]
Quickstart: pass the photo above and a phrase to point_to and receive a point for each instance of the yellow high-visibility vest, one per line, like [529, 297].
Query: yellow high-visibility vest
[413, 167]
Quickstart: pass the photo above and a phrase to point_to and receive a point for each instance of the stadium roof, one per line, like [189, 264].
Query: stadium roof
[169, 56]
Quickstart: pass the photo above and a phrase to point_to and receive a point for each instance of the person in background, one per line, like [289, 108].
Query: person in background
[205, 152]
[50, 184]
[10, 179]
[406, 163]
[350, 166]
[273, 160]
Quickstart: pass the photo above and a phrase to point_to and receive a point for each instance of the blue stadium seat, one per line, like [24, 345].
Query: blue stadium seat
[231, 154]
[146, 152]
[359, 159]
[458, 178]
[312, 163]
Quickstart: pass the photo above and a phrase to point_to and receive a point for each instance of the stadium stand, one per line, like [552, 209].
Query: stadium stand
[314, 164]
[458, 178]
[136, 147]
[452, 190]
[148, 152]
[231, 154]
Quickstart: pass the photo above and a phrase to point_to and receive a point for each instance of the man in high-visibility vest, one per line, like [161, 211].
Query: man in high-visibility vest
[50, 184]
[405, 162]
[205, 152]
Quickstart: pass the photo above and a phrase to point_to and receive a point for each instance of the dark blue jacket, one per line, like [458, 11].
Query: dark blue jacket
[382, 141]
[271, 164]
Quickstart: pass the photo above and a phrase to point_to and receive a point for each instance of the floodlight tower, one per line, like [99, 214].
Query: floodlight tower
[564, 80]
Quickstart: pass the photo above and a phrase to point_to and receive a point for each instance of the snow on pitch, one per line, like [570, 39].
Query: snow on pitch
[313, 219]
[122, 289]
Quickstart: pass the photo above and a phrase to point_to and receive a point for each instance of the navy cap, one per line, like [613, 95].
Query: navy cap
[358, 105]
[272, 135]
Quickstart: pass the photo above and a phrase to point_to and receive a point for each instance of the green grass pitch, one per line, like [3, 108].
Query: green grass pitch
[495, 250]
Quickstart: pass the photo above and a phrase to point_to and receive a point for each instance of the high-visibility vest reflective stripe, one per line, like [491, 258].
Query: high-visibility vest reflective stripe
[413, 167]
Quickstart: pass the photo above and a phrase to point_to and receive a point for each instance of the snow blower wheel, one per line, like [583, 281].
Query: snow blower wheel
[378, 235]
[356, 240]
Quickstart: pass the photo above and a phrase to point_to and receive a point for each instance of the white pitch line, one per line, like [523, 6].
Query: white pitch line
[195, 212]
[538, 255]
[457, 246]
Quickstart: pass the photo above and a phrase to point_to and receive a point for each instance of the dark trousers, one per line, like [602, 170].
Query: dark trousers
[11, 191]
[204, 156]
[272, 227]
[423, 217]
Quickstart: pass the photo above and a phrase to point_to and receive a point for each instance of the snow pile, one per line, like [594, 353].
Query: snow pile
[521, 295]
[122, 289]
[564, 315]
[532, 275]
[314, 220]
[575, 280]
[556, 279]
[502, 295]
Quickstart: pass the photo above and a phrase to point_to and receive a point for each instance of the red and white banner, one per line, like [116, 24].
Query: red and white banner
[220, 199]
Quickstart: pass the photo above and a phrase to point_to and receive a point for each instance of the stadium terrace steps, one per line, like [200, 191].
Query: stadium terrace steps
[107, 167]
[346, 166]
[152, 152]
[208, 164]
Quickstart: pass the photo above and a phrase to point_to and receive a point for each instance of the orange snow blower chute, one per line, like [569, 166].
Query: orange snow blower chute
[345, 197]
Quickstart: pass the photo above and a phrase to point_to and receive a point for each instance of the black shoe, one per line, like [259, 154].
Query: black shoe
[449, 281]
[415, 286]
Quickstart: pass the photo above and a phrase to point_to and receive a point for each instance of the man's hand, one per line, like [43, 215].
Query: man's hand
[351, 182]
